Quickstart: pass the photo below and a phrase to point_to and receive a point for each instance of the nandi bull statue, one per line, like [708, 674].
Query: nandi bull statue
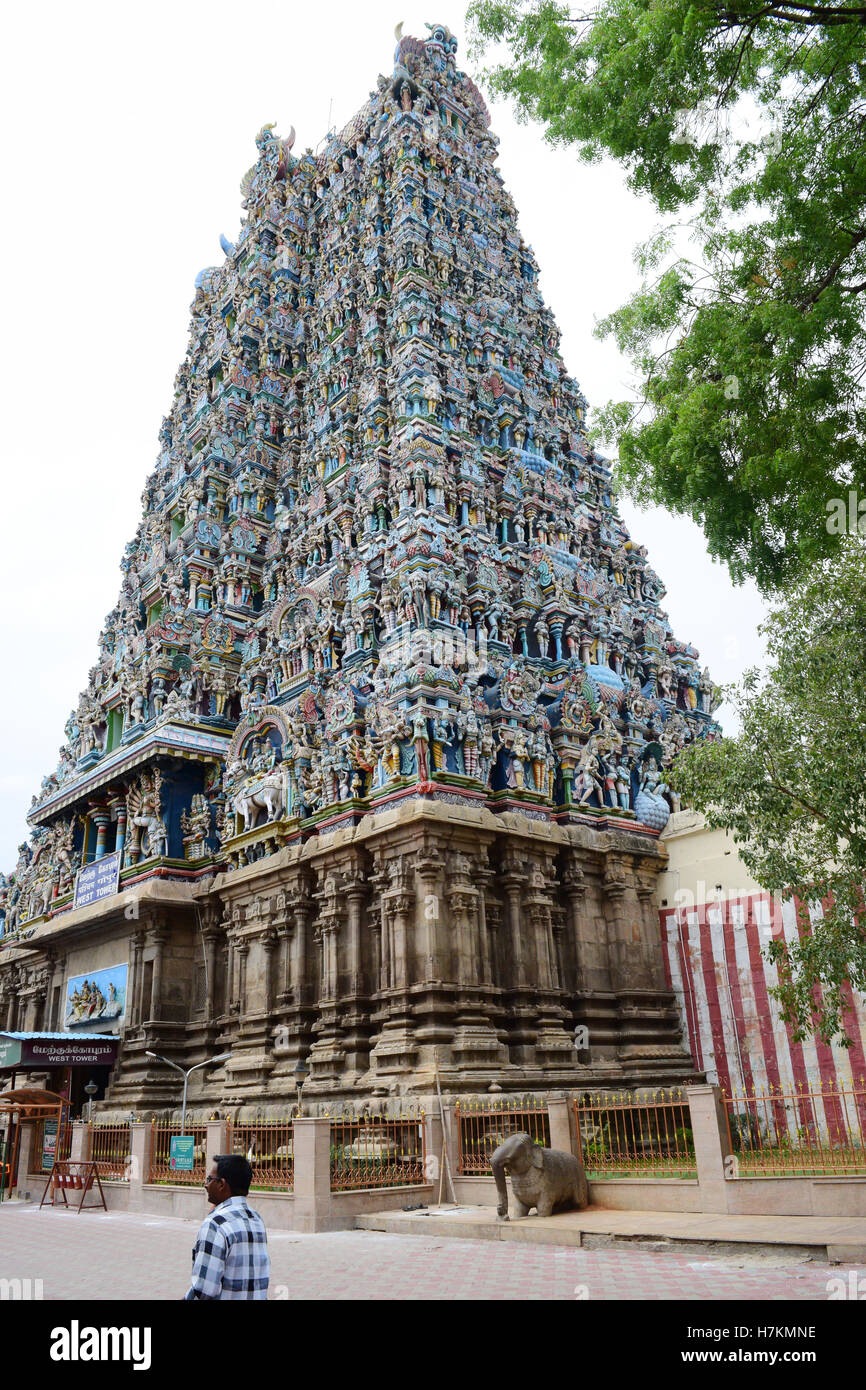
[540, 1178]
[268, 795]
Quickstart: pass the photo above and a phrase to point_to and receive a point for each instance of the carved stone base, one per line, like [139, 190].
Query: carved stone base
[429, 937]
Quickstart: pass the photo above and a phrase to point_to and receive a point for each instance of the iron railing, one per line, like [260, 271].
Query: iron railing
[483, 1125]
[109, 1145]
[797, 1131]
[378, 1151]
[623, 1136]
[161, 1170]
[269, 1146]
[62, 1149]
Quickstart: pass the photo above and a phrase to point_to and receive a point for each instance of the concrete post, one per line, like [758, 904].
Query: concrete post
[563, 1129]
[140, 1142]
[710, 1136]
[216, 1142]
[560, 1126]
[80, 1146]
[26, 1186]
[312, 1164]
[451, 1139]
[434, 1157]
[433, 1149]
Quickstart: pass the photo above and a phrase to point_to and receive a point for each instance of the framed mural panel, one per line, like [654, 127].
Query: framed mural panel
[96, 1001]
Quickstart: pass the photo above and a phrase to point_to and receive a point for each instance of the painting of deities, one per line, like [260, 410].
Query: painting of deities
[95, 1001]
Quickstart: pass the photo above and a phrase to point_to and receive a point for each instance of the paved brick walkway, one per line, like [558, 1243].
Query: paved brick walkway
[93, 1255]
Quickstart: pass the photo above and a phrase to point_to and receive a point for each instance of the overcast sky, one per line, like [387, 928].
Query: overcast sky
[127, 131]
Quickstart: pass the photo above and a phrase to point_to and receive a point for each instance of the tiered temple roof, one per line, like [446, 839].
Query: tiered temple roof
[378, 557]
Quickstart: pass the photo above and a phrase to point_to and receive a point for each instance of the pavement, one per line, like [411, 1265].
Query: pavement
[830, 1238]
[96, 1255]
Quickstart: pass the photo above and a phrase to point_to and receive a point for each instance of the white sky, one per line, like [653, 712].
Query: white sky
[126, 133]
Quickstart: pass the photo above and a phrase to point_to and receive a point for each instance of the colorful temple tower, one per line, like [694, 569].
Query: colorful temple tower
[370, 772]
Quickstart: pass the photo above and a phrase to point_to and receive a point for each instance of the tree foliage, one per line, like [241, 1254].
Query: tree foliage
[791, 788]
[746, 122]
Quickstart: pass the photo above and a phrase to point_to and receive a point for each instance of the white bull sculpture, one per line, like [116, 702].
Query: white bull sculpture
[268, 795]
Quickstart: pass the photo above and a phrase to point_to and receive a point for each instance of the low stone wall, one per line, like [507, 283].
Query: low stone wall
[312, 1206]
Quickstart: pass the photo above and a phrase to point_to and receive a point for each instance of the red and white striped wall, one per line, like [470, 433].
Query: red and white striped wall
[715, 966]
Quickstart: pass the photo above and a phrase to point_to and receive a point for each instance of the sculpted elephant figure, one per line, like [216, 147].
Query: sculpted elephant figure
[540, 1178]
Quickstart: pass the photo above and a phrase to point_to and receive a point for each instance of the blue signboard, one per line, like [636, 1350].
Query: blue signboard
[97, 880]
[181, 1156]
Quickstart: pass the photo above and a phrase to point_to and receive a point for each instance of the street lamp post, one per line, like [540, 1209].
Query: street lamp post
[186, 1074]
[90, 1091]
[301, 1073]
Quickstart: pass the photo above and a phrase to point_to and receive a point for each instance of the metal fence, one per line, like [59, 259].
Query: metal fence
[161, 1170]
[483, 1125]
[797, 1131]
[378, 1151]
[269, 1146]
[62, 1148]
[109, 1146]
[625, 1137]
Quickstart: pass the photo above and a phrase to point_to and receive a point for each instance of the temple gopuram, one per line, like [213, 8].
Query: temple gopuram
[371, 769]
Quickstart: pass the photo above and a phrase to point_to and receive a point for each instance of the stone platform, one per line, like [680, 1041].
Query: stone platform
[838, 1240]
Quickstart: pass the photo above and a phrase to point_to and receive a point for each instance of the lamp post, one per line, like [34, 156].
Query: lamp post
[186, 1073]
[90, 1091]
[301, 1073]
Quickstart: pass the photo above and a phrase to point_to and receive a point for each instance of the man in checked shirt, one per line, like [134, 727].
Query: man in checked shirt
[230, 1257]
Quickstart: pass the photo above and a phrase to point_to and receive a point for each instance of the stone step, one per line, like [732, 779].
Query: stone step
[793, 1238]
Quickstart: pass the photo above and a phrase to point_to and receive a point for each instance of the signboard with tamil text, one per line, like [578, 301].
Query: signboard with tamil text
[57, 1052]
[97, 880]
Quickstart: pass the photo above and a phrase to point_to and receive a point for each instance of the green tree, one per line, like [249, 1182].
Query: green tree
[744, 122]
[791, 788]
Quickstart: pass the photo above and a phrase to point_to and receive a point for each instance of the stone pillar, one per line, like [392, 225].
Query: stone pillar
[482, 877]
[433, 1154]
[140, 1141]
[312, 1167]
[646, 883]
[401, 905]
[710, 1132]
[512, 880]
[136, 946]
[80, 1146]
[558, 1109]
[231, 998]
[356, 893]
[211, 943]
[216, 1142]
[520, 994]
[626, 971]
[241, 952]
[31, 1009]
[355, 1038]
[158, 937]
[475, 1043]
[451, 1144]
[25, 1185]
[396, 1048]
[268, 946]
[302, 909]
